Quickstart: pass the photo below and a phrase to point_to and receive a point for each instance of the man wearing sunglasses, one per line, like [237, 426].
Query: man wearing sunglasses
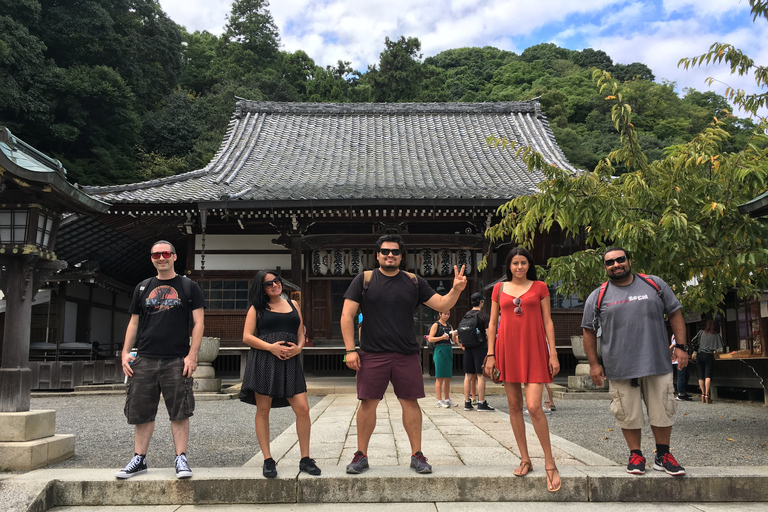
[636, 355]
[161, 309]
[389, 349]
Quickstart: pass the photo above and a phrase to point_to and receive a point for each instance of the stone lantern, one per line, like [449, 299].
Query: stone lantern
[34, 194]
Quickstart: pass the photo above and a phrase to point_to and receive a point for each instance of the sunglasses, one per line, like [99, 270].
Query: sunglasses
[164, 254]
[270, 284]
[394, 252]
[518, 306]
[620, 259]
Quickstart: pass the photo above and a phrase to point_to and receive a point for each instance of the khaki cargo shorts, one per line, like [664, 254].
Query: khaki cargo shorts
[655, 391]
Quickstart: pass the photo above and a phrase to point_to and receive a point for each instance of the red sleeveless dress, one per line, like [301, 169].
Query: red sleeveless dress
[522, 353]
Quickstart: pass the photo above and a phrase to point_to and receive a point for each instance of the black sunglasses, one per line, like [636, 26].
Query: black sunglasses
[385, 252]
[518, 305]
[164, 254]
[270, 284]
[620, 259]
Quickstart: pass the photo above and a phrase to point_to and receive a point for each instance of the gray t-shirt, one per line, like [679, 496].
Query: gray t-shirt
[634, 335]
[710, 342]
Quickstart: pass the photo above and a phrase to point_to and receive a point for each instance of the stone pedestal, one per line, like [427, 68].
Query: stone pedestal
[205, 375]
[581, 380]
[28, 441]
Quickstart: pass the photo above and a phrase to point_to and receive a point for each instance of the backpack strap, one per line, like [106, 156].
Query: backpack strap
[368, 275]
[600, 295]
[603, 287]
[651, 283]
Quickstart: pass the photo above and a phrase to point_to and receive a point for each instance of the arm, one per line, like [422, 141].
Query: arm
[491, 332]
[590, 348]
[677, 322]
[434, 339]
[447, 301]
[250, 338]
[130, 340]
[190, 362]
[293, 349]
[549, 330]
[348, 312]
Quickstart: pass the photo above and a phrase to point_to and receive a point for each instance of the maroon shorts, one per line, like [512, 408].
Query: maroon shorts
[378, 369]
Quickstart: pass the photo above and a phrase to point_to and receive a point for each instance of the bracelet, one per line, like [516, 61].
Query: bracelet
[345, 355]
[348, 351]
[490, 355]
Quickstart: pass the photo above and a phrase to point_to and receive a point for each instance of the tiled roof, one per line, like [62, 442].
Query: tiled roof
[331, 152]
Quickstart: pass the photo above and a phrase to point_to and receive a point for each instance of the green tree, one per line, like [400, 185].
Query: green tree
[676, 216]
[399, 75]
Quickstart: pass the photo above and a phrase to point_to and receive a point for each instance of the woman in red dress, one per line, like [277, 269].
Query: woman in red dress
[524, 352]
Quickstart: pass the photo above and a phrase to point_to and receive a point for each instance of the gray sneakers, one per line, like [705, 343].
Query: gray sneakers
[419, 463]
[182, 467]
[359, 464]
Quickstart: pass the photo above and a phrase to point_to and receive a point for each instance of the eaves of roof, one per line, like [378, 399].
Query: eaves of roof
[757, 207]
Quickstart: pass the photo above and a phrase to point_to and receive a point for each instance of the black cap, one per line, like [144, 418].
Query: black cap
[476, 298]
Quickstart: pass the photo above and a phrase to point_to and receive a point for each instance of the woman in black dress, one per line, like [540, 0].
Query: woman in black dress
[273, 375]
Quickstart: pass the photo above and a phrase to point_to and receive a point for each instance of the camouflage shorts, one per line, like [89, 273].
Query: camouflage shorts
[152, 377]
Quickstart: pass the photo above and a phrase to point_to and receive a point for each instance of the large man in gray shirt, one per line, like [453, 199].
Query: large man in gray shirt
[636, 355]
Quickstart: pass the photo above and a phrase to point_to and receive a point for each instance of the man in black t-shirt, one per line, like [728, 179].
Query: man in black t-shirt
[160, 310]
[389, 350]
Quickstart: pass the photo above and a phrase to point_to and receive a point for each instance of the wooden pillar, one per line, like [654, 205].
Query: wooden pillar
[15, 375]
[487, 276]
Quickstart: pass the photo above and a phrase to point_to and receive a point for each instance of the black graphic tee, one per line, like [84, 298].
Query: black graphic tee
[164, 317]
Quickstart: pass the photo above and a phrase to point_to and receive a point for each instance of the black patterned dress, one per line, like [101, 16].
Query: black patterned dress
[267, 375]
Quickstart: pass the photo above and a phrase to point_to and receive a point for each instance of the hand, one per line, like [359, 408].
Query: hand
[277, 349]
[554, 365]
[682, 358]
[460, 280]
[190, 365]
[489, 363]
[597, 375]
[353, 361]
[128, 359]
[290, 350]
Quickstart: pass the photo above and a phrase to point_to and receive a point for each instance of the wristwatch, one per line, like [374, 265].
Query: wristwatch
[684, 348]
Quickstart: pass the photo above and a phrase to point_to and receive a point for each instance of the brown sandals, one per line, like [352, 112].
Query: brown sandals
[550, 476]
[525, 467]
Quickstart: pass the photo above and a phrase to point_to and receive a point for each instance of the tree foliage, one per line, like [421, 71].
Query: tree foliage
[677, 216]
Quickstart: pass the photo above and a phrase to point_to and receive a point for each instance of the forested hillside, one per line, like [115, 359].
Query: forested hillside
[120, 93]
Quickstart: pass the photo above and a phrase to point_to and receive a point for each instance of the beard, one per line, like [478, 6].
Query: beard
[618, 275]
[385, 266]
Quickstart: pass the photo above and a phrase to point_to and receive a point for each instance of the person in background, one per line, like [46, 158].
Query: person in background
[441, 334]
[680, 375]
[710, 342]
[273, 375]
[525, 353]
[166, 358]
[474, 382]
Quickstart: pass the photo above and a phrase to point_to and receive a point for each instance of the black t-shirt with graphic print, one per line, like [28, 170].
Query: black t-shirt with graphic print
[164, 317]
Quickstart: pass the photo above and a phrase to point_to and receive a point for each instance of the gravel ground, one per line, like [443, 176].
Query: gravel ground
[222, 435]
[221, 432]
[721, 434]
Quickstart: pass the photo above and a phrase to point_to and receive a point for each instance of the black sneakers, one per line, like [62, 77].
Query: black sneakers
[668, 463]
[308, 465]
[419, 463]
[269, 470]
[484, 407]
[182, 467]
[636, 464]
[137, 466]
[468, 405]
[359, 463]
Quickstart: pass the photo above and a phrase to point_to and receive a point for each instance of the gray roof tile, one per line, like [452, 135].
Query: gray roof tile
[321, 151]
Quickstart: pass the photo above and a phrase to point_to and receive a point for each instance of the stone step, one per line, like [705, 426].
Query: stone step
[390, 484]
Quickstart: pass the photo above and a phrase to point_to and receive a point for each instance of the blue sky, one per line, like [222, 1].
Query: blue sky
[655, 32]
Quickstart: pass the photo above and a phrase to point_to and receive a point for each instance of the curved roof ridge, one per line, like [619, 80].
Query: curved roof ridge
[245, 106]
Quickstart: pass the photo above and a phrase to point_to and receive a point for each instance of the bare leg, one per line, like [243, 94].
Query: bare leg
[411, 423]
[515, 404]
[467, 385]
[632, 437]
[180, 432]
[263, 406]
[662, 435]
[708, 386]
[533, 394]
[480, 387]
[300, 408]
[142, 433]
[366, 422]
[446, 388]
[438, 389]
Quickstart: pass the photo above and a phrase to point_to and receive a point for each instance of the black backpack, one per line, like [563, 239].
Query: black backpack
[470, 335]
